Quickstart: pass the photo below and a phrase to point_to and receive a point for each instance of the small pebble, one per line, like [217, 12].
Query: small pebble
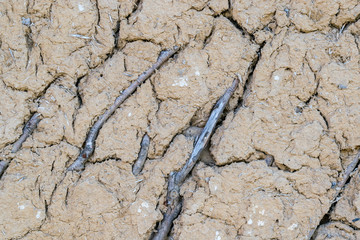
[287, 12]
[298, 110]
[342, 86]
[269, 160]
[26, 21]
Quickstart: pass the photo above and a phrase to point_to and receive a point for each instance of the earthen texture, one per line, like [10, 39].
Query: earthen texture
[298, 102]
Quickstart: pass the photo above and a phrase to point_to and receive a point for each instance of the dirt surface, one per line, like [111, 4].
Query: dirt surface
[298, 103]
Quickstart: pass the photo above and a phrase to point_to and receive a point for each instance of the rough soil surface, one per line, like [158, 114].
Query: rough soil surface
[298, 104]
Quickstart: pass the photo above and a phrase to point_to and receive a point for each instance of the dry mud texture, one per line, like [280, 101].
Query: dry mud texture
[299, 103]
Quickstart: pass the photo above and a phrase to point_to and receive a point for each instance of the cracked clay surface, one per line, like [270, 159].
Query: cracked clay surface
[298, 104]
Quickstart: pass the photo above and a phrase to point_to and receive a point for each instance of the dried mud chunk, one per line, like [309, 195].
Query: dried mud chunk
[232, 141]
[283, 68]
[144, 215]
[186, 81]
[218, 6]
[21, 67]
[255, 128]
[254, 200]
[348, 12]
[330, 153]
[253, 15]
[96, 205]
[199, 226]
[341, 106]
[73, 36]
[354, 28]
[236, 51]
[263, 36]
[306, 139]
[309, 16]
[167, 123]
[178, 107]
[177, 25]
[13, 114]
[39, 9]
[282, 16]
[296, 106]
[57, 108]
[75, 26]
[109, 13]
[13, 42]
[33, 77]
[336, 230]
[174, 158]
[140, 54]
[27, 186]
[313, 183]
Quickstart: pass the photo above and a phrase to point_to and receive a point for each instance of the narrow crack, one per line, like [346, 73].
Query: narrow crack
[50, 12]
[116, 32]
[208, 37]
[228, 15]
[66, 197]
[43, 92]
[324, 118]
[105, 159]
[314, 95]
[249, 81]
[98, 13]
[40, 54]
[268, 158]
[80, 101]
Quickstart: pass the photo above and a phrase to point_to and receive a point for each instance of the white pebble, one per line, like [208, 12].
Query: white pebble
[293, 226]
[182, 82]
[38, 215]
[145, 204]
[81, 7]
[217, 237]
